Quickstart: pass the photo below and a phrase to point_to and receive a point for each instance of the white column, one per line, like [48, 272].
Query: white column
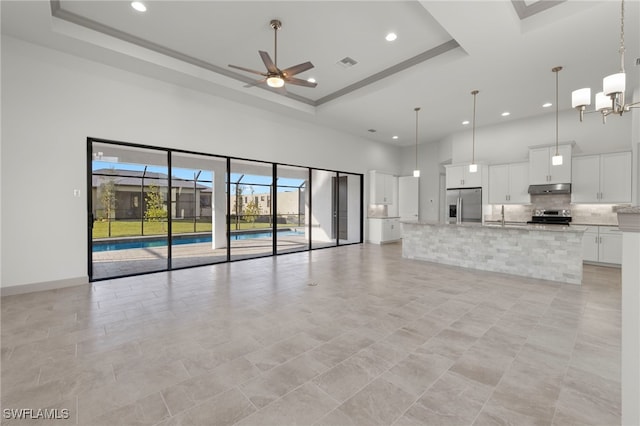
[629, 224]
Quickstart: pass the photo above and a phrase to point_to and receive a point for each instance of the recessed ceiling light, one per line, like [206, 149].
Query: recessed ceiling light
[311, 80]
[504, 114]
[465, 122]
[391, 37]
[547, 105]
[139, 6]
[394, 137]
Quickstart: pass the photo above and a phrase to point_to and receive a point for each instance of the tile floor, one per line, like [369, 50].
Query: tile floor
[374, 340]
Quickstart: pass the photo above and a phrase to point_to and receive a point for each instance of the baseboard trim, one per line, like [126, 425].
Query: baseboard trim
[43, 286]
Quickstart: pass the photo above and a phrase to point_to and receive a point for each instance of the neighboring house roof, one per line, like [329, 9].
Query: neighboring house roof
[134, 178]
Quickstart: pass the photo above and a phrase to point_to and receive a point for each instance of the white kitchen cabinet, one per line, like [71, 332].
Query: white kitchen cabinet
[509, 184]
[384, 230]
[602, 244]
[382, 187]
[541, 171]
[590, 244]
[460, 177]
[604, 178]
[610, 250]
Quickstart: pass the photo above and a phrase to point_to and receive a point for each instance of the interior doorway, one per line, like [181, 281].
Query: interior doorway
[340, 208]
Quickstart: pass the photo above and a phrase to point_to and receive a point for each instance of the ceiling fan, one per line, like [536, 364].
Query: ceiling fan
[274, 76]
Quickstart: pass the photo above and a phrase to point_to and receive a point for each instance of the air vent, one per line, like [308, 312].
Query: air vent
[372, 130]
[347, 62]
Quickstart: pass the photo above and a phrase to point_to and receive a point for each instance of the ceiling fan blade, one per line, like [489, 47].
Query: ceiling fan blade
[255, 83]
[248, 70]
[297, 69]
[300, 82]
[271, 67]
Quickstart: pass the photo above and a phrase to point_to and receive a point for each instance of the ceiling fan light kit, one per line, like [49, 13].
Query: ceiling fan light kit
[611, 99]
[275, 77]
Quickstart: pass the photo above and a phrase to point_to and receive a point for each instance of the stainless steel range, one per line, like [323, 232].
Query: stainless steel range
[551, 217]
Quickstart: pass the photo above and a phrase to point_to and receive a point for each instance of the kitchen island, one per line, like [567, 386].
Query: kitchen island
[549, 252]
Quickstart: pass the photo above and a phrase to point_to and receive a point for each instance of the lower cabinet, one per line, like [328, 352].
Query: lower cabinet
[602, 244]
[384, 230]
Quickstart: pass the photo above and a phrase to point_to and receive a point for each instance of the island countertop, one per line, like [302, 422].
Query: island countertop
[550, 252]
[507, 226]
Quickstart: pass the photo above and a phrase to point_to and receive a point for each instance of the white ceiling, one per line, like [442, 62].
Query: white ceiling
[444, 49]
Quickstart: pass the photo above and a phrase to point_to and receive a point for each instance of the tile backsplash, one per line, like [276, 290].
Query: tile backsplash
[589, 214]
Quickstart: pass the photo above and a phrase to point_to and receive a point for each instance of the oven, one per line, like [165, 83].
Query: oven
[551, 217]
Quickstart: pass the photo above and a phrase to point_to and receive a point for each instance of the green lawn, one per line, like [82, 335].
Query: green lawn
[121, 228]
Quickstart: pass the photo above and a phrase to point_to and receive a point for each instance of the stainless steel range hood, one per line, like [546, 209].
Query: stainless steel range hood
[551, 188]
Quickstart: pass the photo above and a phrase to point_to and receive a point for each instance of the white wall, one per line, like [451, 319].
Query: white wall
[510, 142]
[429, 163]
[52, 101]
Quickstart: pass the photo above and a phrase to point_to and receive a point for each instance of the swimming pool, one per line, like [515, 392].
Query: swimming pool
[99, 246]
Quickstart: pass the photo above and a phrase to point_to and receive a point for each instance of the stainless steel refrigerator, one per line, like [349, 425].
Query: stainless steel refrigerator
[464, 205]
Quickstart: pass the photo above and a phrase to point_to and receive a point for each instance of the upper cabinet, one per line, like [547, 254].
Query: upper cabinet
[460, 177]
[509, 183]
[382, 187]
[541, 171]
[604, 178]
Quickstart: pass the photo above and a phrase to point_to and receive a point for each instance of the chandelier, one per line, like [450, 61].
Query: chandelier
[611, 99]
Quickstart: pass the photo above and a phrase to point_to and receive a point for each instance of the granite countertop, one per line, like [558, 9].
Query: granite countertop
[497, 225]
[383, 217]
[629, 210]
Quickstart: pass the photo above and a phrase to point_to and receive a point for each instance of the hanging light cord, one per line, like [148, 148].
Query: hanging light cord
[473, 131]
[622, 37]
[416, 110]
[557, 70]
[557, 107]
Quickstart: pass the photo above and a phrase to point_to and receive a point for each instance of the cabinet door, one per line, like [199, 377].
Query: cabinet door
[379, 183]
[562, 173]
[472, 180]
[615, 178]
[498, 184]
[590, 246]
[610, 250]
[519, 183]
[389, 188]
[539, 162]
[375, 230]
[455, 177]
[585, 182]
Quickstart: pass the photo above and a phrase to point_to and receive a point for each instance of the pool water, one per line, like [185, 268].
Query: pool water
[179, 240]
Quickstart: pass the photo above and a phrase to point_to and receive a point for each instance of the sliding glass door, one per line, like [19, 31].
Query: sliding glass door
[198, 210]
[292, 200]
[251, 218]
[158, 209]
[128, 217]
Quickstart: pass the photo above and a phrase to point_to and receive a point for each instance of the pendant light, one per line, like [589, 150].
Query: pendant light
[473, 167]
[556, 160]
[416, 171]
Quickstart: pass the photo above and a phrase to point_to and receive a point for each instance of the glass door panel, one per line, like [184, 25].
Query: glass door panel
[349, 208]
[251, 214]
[198, 210]
[129, 195]
[291, 207]
[323, 214]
